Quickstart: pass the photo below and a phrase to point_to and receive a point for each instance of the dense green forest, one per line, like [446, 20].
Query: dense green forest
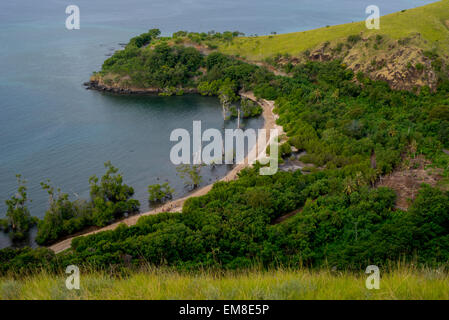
[343, 121]
[233, 227]
[149, 61]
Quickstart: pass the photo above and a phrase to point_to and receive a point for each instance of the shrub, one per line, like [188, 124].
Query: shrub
[353, 39]
[160, 193]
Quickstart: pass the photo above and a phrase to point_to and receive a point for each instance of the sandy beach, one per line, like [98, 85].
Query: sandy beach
[177, 204]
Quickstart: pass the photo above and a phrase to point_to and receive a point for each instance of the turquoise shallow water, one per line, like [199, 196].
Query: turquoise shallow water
[52, 128]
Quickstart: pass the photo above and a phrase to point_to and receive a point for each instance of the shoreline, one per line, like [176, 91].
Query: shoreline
[177, 204]
[98, 86]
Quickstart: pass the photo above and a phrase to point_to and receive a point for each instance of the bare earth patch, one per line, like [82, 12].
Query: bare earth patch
[407, 180]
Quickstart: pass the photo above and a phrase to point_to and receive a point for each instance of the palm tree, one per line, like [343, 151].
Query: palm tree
[349, 185]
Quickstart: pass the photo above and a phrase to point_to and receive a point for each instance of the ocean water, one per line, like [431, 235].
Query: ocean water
[52, 128]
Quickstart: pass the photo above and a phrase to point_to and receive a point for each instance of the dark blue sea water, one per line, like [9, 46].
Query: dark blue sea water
[52, 128]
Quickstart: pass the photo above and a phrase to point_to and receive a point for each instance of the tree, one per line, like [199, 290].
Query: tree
[227, 96]
[349, 185]
[145, 38]
[160, 193]
[111, 197]
[250, 108]
[285, 149]
[190, 174]
[18, 215]
[63, 216]
[209, 88]
[440, 113]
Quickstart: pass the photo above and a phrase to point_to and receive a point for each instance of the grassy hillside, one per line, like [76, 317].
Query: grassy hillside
[402, 283]
[431, 21]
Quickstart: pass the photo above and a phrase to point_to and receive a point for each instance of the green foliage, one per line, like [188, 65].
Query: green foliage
[266, 91]
[162, 67]
[3, 224]
[234, 225]
[19, 220]
[285, 149]
[419, 67]
[250, 108]
[439, 113]
[429, 216]
[379, 38]
[227, 95]
[144, 38]
[206, 88]
[210, 38]
[340, 124]
[170, 91]
[226, 92]
[26, 260]
[190, 174]
[111, 197]
[171, 68]
[242, 75]
[160, 193]
[340, 220]
[353, 39]
[63, 217]
[110, 200]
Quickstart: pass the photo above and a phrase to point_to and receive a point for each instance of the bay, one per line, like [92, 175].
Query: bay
[52, 128]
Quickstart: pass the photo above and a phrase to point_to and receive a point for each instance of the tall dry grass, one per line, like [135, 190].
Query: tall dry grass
[401, 282]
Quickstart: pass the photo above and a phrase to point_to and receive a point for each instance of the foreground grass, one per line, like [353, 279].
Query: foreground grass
[430, 21]
[402, 283]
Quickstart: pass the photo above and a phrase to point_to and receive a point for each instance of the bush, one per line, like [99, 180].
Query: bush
[419, 67]
[440, 113]
[111, 197]
[160, 193]
[63, 218]
[26, 260]
[18, 219]
[110, 200]
[353, 39]
[285, 149]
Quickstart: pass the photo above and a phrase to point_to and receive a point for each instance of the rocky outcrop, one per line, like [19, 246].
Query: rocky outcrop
[403, 64]
[320, 54]
[402, 67]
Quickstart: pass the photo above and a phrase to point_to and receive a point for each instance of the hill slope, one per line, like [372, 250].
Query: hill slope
[431, 21]
[409, 51]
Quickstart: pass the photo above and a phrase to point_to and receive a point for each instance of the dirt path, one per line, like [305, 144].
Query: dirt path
[176, 205]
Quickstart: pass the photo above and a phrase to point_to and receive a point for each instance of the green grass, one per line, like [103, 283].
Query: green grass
[401, 283]
[431, 21]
